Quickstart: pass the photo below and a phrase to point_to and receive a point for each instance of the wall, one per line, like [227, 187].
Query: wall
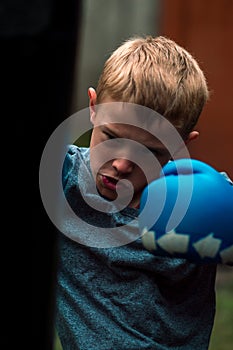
[205, 28]
[105, 24]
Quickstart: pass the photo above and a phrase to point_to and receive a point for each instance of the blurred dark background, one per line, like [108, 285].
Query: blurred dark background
[39, 42]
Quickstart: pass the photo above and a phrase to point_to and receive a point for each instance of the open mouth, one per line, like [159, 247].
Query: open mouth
[109, 182]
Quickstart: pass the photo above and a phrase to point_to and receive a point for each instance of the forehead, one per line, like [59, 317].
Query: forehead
[125, 113]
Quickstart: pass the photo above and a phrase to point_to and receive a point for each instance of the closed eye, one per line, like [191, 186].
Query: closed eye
[159, 152]
[109, 136]
[156, 151]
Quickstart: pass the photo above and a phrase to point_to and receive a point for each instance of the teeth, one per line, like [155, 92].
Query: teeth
[111, 179]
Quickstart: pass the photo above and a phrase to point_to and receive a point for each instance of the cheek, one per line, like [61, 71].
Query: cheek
[100, 155]
[98, 161]
[95, 138]
[96, 157]
[139, 179]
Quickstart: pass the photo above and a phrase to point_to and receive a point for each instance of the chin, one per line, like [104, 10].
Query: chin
[106, 194]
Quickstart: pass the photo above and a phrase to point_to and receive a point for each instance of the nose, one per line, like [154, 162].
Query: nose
[123, 166]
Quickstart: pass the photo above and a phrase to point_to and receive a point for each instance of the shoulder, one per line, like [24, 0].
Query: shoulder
[76, 151]
[74, 156]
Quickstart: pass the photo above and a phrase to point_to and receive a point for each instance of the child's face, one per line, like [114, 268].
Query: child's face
[119, 151]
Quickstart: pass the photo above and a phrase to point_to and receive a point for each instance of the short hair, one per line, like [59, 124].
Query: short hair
[159, 74]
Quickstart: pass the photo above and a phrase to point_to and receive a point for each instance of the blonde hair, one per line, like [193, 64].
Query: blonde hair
[159, 74]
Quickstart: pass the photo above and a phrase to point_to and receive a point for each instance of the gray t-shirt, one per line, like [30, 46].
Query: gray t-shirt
[124, 297]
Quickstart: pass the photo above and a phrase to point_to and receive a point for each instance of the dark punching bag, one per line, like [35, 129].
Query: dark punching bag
[39, 42]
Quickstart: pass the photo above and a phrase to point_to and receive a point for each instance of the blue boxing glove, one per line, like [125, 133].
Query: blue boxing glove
[188, 213]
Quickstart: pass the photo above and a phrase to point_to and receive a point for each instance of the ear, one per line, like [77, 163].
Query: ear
[92, 103]
[193, 135]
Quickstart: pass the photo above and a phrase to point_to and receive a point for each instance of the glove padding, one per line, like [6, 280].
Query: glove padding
[192, 207]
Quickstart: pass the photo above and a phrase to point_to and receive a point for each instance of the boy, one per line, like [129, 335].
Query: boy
[119, 296]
